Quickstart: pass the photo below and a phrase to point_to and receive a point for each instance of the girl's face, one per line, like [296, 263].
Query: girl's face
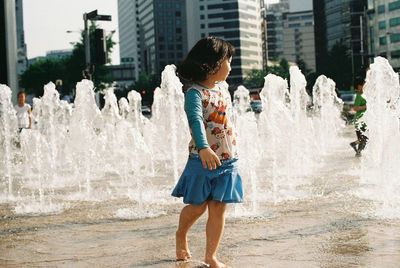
[21, 99]
[224, 70]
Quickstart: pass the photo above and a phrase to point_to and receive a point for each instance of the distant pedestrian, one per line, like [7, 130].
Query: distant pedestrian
[24, 112]
[360, 106]
[210, 178]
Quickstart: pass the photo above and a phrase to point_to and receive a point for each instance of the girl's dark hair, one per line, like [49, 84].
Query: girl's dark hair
[359, 81]
[204, 59]
[20, 93]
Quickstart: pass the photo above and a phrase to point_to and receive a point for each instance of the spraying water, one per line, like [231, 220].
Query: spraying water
[248, 145]
[380, 171]
[327, 109]
[77, 153]
[8, 125]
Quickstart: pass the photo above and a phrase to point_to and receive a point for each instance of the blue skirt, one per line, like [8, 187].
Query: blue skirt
[197, 184]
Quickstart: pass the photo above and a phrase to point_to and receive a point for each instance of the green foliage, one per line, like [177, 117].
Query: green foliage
[69, 70]
[339, 66]
[255, 79]
[42, 72]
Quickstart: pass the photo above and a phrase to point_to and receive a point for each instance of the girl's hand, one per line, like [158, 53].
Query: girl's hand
[209, 159]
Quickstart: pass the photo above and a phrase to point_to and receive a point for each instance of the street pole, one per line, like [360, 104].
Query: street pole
[362, 41]
[388, 53]
[87, 40]
[92, 16]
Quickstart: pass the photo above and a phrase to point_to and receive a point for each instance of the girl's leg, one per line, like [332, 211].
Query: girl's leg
[188, 217]
[214, 229]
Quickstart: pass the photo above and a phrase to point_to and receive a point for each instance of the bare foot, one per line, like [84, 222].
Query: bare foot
[182, 247]
[214, 263]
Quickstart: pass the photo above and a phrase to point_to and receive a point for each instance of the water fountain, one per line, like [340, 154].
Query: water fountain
[8, 126]
[77, 153]
[248, 147]
[67, 182]
[327, 109]
[380, 171]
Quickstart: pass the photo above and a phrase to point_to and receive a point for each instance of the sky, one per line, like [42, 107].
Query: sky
[46, 23]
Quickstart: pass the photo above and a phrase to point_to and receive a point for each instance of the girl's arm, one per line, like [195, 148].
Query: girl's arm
[360, 108]
[194, 112]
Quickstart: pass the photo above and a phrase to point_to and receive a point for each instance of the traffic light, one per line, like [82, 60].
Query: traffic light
[99, 47]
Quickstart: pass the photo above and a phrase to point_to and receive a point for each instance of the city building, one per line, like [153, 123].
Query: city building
[298, 38]
[123, 74]
[341, 22]
[149, 38]
[384, 29]
[21, 45]
[274, 24]
[129, 35]
[59, 54]
[8, 46]
[239, 22]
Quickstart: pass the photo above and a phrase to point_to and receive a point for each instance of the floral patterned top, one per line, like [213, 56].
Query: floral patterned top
[208, 112]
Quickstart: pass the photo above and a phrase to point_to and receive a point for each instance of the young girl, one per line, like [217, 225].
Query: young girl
[210, 178]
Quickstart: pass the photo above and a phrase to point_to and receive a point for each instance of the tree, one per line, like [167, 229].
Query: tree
[339, 66]
[78, 62]
[281, 70]
[69, 69]
[42, 72]
[255, 79]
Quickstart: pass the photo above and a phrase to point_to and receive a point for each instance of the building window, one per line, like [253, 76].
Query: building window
[395, 38]
[202, 17]
[394, 5]
[395, 54]
[382, 25]
[394, 22]
[201, 7]
[178, 30]
[294, 25]
[202, 26]
[381, 9]
[382, 40]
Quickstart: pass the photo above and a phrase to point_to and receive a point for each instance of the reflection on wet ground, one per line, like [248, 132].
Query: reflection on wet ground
[333, 228]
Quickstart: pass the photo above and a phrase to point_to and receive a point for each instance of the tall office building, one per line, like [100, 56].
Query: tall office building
[239, 22]
[21, 45]
[152, 33]
[298, 37]
[384, 28]
[162, 31]
[341, 21]
[8, 46]
[129, 36]
[274, 23]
